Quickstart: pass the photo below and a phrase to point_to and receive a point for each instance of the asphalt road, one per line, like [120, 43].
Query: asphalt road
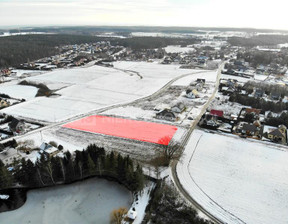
[183, 145]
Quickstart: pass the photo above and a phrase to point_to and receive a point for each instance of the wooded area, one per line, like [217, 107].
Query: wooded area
[15, 50]
[93, 161]
[166, 207]
[258, 103]
[260, 40]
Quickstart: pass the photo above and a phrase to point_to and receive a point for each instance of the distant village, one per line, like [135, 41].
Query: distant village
[267, 121]
[235, 87]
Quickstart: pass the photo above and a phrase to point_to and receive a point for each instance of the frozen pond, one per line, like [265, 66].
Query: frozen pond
[90, 201]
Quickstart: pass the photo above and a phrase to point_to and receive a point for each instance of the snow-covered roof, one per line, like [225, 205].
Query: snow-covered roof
[4, 196]
[51, 150]
[132, 214]
[44, 146]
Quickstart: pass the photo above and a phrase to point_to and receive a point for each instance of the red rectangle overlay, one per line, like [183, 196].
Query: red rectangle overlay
[125, 128]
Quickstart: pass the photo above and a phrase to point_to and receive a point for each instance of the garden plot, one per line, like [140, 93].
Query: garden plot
[94, 88]
[236, 180]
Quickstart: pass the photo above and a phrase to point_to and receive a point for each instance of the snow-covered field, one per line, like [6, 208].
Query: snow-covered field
[178, 49]
[236, 180]
[94, 88]
[90, 201]
[194, 106]
[260, 77]
[131, 112]
[209, 76]
[21, 72]
[19, 91]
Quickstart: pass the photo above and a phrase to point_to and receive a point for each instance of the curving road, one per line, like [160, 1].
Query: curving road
[183, 145]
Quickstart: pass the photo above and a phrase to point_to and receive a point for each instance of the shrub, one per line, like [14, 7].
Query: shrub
[53, 143]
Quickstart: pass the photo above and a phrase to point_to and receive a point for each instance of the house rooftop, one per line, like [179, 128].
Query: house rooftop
[277, 133]
[13, 123]
[132, 214]
[252, 110]
[249, 127]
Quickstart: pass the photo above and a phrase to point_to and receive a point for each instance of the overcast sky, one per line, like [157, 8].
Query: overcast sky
[211, 13]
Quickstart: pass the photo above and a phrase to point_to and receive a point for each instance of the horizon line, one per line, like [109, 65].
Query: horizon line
[7, 27]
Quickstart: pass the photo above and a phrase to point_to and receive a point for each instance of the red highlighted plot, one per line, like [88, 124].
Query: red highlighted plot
[125, 128]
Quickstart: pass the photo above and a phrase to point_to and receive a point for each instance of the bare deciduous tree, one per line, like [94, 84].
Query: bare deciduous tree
[117, 215]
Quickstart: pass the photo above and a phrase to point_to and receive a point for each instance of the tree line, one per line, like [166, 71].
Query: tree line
[258, 103]
[93, 161]
[165, 207]
[15, 50]
[268, 88]
[259, 40]
[137, 43]
[276, 121]
[256, 57]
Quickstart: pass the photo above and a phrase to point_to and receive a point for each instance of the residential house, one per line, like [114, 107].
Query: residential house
[247, 129]
[275, 96]
[209, 121]
[227, 90]
[48, 149]
[192, 94]
[161, 106]
[44, 146]
[132, 214]
[249, 114]
[218, 113]
[259, 93]
[285, 99]
[5, 72]
[4, 103]
[197, 85]
[167, 60]
[178, 108]
[274, 134]
[201, 81]
[166, 115]
[228, 85]
[202, 59]
[4, 196]
[17, 126]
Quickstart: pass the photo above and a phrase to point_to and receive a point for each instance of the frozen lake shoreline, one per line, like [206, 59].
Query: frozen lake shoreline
[89, 201]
